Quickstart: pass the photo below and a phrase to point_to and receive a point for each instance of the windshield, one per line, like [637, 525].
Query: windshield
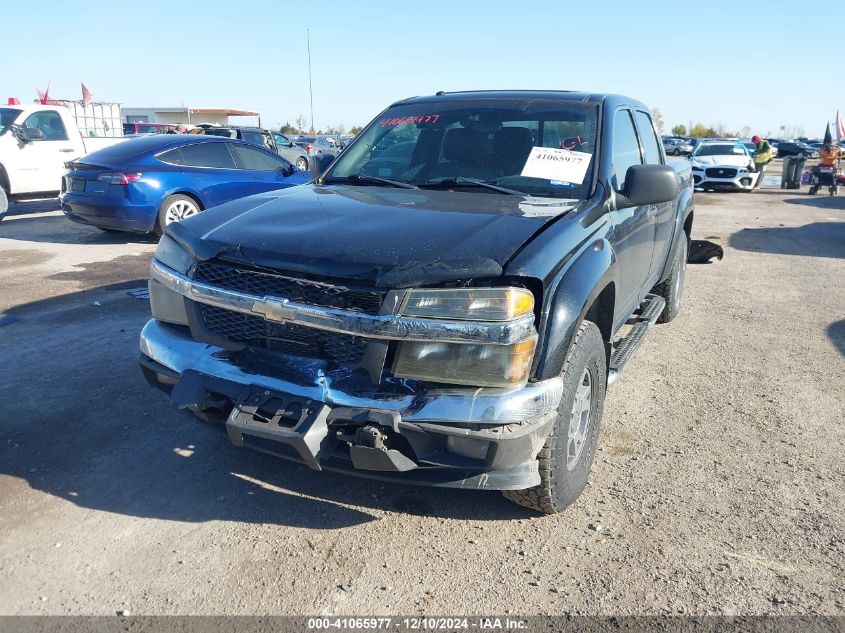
[736, 149]
[536, 147]
[7, 115]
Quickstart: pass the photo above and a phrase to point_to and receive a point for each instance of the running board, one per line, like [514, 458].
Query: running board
[648, 313]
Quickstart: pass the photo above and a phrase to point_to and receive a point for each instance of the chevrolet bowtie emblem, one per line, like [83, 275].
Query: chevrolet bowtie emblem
[274, 310]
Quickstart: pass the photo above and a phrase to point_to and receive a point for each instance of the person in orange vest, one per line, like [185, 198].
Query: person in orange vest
[828, 155]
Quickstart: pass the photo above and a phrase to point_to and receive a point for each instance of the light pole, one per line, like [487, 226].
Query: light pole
[310, 90]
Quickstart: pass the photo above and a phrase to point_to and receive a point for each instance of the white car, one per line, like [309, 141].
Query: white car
[35, 143]
[723, 165]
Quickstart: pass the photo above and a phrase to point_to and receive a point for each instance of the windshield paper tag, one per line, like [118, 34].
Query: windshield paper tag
[550, 163]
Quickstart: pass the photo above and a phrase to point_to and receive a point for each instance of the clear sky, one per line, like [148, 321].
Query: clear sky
[757, 63]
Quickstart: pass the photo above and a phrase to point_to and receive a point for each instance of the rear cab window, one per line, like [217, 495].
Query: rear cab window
[648, 138]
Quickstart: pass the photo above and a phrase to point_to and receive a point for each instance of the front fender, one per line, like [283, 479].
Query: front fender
[576, 289]
[686, 205]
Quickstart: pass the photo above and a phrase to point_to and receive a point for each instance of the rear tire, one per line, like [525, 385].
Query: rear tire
[175, 209]
[4, 203]
[567, 455]
[672, 288]
[302, 163]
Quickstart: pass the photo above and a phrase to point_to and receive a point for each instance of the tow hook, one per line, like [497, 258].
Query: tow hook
[368, 448]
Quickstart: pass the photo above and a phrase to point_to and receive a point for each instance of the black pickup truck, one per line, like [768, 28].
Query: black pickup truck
[445, 305]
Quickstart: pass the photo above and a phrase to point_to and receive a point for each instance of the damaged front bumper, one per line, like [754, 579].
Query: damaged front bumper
[481, 438]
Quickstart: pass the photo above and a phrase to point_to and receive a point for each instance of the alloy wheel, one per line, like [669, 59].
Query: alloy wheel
[179, 210]
[579, 420]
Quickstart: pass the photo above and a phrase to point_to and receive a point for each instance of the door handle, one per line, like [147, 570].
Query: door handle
[66, 150]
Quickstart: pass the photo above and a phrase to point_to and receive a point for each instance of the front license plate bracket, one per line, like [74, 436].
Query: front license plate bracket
[301, 423]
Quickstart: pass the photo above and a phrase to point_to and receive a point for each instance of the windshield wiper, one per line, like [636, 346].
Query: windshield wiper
[451, 181]
[364, 178]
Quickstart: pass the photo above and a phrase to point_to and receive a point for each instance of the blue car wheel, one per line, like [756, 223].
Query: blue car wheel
[175, 209]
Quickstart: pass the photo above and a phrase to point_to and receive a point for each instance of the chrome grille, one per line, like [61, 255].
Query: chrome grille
[294, 289]
[286, 338]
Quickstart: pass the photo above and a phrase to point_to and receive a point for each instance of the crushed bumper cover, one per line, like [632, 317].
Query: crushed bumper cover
[464, 438]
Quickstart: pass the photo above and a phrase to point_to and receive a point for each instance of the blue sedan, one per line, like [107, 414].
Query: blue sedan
[145, 183]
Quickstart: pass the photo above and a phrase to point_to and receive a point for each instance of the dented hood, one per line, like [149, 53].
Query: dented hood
[387, 236]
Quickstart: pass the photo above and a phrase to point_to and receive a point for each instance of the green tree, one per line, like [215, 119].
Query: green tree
[679, 130]
[287, 128]
[700, 131]
[355, 130]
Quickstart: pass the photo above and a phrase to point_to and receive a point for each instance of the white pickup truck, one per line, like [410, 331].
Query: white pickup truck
[35, 143]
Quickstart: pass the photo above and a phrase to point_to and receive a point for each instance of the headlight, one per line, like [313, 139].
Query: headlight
[166, 304]
[471, 304]
[466, 364]
[172, 255]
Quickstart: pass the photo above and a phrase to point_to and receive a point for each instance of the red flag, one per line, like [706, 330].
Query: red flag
[840, 128]
[86, 95]
[44, 97]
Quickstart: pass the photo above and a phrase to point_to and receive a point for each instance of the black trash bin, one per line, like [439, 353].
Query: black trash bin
[793, 167]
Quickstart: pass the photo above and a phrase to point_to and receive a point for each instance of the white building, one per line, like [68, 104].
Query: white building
[188, 116]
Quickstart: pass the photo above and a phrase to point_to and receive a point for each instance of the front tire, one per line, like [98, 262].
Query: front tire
[567, 456]
[672, 288]
[175, 209]
[302, 163]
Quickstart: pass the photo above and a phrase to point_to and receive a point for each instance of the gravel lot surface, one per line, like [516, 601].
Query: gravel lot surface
[718, 487]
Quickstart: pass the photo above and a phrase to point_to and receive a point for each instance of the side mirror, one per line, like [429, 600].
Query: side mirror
[29, 134]
[648, 184]
[320, 163]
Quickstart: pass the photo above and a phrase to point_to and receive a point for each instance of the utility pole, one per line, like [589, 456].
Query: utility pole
[310, 90]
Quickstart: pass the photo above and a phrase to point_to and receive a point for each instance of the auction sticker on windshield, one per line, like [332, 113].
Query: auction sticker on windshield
[551, 163]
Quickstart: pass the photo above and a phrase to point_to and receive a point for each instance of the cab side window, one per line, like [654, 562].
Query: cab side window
[651, 148]
[50, 124]
[626, 149]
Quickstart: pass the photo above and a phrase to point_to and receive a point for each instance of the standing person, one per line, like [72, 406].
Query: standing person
[762, 157]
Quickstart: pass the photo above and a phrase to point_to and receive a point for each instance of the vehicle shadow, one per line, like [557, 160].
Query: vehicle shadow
[820, 201]
[80, 423]
[35, 206]
[836, 333]
[57, 229]
[818, 239]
